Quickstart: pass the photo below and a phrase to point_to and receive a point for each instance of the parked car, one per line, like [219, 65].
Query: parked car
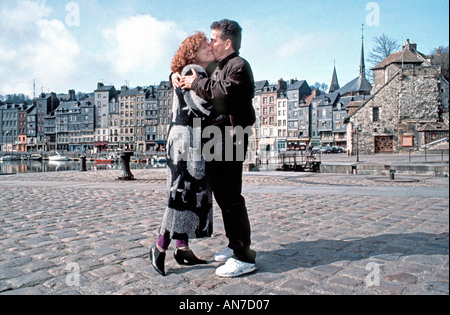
[326, 150]
[336, 149]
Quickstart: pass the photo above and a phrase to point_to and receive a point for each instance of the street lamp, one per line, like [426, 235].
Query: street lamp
[7, 134]
[357, 131]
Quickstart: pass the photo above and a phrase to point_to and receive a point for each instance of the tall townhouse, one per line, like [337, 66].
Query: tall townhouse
[86, 130]
[140, 120]
[103, 96]
[268, 100]
[296, 92]
[73, 124]
[2, 142]
[339, 116]
[304, 116]
[46, 105]
[114, 123]
[282, 116]
[132, 119]
[151, 115]
[50, 132]
[165, 101]
[325, 118]
[9, 126]
[67, 119]
[255, 138]
[31, 129]
[22, 113]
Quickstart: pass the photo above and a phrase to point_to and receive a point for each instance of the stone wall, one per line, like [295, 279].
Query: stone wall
[410, 98]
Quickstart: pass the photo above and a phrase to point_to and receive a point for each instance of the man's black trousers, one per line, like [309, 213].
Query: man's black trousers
[225, 179]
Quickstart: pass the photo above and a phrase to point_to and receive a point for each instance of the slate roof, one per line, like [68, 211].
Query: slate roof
[296, 85]
[334, 82]
[408, 57]
[356, 85]
[105, 88]
[433, 126]
[259, 85]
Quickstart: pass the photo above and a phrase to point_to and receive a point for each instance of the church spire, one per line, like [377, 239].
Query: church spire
[334, 81]
[362, 65]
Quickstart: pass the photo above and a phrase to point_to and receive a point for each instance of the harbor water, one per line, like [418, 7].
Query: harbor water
[30, 166]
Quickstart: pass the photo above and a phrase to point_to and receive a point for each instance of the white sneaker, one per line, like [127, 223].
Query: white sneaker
[224, 255]
[235, 268]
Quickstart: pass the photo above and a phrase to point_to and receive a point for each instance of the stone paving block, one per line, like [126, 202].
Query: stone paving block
[29, 280]
[106, 271]
[296, 285]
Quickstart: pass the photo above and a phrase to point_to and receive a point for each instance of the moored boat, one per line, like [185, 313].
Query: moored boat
[58, 157]
[9, 158]
[35, 157]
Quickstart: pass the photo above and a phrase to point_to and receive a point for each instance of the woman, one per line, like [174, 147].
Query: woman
[189, 211]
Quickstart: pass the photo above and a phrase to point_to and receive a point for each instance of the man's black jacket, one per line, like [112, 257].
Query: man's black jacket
[230, 89]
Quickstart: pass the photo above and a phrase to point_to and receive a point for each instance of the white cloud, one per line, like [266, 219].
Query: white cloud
[142, 46]
[35, 47]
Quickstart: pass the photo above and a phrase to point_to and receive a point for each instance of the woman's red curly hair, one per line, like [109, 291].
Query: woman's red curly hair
[187, 52]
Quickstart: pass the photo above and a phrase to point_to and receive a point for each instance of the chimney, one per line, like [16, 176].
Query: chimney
[124, 88]
[438, 52]
[410, 46]
[71, 95]
[100, 85]
[282, 85]
[54, 103]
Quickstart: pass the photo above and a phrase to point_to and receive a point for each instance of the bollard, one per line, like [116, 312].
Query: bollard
[83, 164]
[126, 172]
[392, 174]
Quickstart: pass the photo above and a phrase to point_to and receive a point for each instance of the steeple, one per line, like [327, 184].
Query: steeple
[334, 81]
[362, 65]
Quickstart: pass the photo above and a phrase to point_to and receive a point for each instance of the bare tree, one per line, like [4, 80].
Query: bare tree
[384, 46]
[440, 57]
[319, 86]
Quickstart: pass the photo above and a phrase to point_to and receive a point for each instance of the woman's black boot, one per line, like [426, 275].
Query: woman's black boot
[184, 257]
[157, 258]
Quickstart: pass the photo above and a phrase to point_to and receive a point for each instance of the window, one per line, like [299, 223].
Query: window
[376, 114]
[407, 141]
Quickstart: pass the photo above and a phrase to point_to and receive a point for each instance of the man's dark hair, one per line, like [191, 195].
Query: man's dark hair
[229, 30]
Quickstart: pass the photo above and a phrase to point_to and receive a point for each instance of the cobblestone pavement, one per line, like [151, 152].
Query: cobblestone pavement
[87, 233]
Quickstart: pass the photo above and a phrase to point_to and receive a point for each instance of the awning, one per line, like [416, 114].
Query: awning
[268, 141]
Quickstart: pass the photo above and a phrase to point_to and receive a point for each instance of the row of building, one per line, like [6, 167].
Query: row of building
[406, 108]
[105, 120]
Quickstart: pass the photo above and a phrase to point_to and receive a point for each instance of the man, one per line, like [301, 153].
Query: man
[230, 90]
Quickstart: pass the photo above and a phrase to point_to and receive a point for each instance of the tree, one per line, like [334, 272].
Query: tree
[323, 87]
[384, 46]
[440, 57]
[17, 98]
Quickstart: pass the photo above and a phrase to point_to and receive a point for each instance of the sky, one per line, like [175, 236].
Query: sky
[62, 44]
